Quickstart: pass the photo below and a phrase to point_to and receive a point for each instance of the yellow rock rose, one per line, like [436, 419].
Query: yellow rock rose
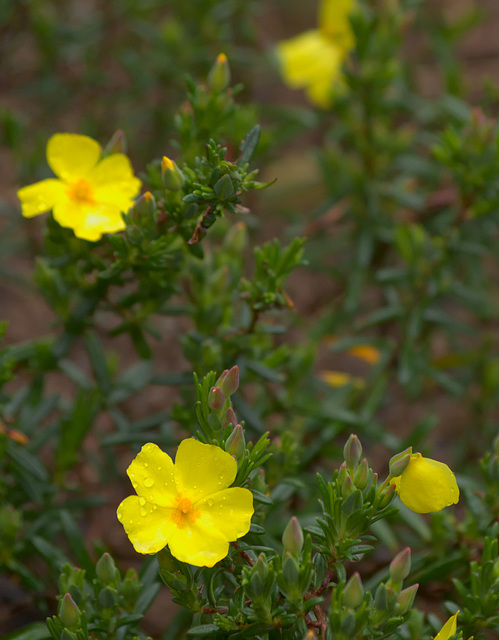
[313, 59]
[426, 485]
[187, 505]
[89, 193]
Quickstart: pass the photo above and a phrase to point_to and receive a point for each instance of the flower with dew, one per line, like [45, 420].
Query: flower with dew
[89, 193]
[313, 59]
[449, 628]
[426, 485]
[187, 505]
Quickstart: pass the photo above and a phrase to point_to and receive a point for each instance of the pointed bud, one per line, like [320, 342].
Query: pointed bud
[292, 538]
[144, 209]
[386, 496]
[361, 476]
[173, 178]
[352, 451]
[107, 597]
[216, 399]
[381, 597]
[406, 598]
[117, 144]
[106, 569]
[399, 462]
[229, 418]
[219, 75]
[343, 474]
[400, 566]
[353, 593]
[69, 614]
[236, 443]
[229, 381]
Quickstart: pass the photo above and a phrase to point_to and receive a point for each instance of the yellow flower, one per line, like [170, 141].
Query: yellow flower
[426, 485]
[340, 379]
[366, 352]
[313, 59]
[186, 505]
[449, 628]
[88, 194]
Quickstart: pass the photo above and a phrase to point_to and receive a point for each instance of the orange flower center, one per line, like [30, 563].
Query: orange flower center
[81, 192]
[184, 513]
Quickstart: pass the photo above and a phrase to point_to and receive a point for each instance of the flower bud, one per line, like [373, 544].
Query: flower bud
[343, 474]
[352, 451]
[406, 598]
[229, 417]
[361, 475]
[236, 443]
[219, 75]
[347, 488]
[386, 496]
[400, 566]
[292, 538]
[106, 569]
[216, 399]
[144, 208]
[353, 593]
[69, 614]
[173, 178]
[107, 598]
[384, 598]
[399, 462]
[348, 624]
[229, 381]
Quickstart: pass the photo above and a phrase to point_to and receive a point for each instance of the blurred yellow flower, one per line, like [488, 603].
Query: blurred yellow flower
[187, 505]
[365, 352]
[449, 628]
[340, 379]
[313, 59]
[89, 193]
[426, 485]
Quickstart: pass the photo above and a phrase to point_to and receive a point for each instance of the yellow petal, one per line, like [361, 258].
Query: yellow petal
[202, 469]
[89, 221]
[72, 156]
[152, 477]
[228, 511]
[365, 352]
[427, 485]
[41, 196]
[312, 62]
[103, 218]
[334, 22]
[148, 526]
[198, 544]
[449, 628]
[113, 182]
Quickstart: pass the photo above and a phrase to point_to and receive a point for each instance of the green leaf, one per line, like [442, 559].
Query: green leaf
[249, 144]
[35, 631]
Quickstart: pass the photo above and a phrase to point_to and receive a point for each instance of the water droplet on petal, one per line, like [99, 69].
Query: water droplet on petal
[143, 511]
[142, 500]
[146, 464]
[210, 502]
[148, 482]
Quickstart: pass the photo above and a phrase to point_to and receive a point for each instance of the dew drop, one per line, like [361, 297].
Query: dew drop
[210, 502]
[148, 482]
[146, 464]
[154, 507]
[142, 501]
[151, 497]
[221, 476]
[143, 511]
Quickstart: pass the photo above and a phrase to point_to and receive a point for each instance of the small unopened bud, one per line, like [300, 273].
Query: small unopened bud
[400, 566]
[236, 443]
[69, 614]
[352, 451]
[219, 75]
[117, 144]
[361, 476]
[347, 488]
[107, 597]
[399, 462]
[343, 474]
[386, 496]
[106, 569]
[216, 399]
[229, 418]
[144, 208]
[353, 593]
[173, 178]
[406, 598]
[292, 538]
[382, 597]
[229, 381]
